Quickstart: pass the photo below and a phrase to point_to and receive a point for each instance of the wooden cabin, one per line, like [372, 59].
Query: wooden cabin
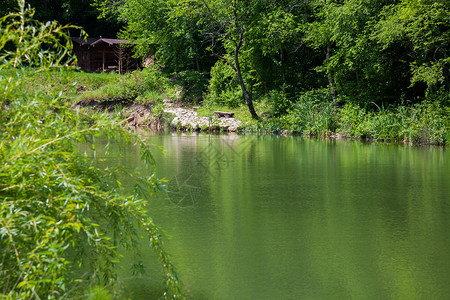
[103, 55]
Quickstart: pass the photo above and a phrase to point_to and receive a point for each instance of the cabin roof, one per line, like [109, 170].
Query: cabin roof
[94, 41]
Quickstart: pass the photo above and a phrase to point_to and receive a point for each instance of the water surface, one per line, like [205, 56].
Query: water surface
[271, 217]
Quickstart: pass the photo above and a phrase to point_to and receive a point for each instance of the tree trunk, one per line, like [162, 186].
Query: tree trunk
[235, 66]
[238, 44]
[247, 97]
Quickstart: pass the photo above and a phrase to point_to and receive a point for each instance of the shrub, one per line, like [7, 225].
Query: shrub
[58, 210]
[193, 83]
[313, 114]
[279, 102]
[430, 124]
[351, 120]
[223, 88]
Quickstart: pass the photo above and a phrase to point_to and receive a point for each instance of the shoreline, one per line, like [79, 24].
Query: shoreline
[186, 119]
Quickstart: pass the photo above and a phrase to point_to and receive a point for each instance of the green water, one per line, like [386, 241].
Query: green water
[270, 217]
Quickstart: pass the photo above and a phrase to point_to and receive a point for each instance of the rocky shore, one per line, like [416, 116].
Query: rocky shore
[177, 118]
[187, 119]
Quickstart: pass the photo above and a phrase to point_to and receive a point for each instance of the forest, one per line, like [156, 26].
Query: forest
[363, 58]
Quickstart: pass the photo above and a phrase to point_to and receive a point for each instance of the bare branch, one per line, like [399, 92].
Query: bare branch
[225, 60]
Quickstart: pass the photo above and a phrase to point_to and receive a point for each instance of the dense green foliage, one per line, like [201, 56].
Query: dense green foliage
[313, 113]
[59, 211]
[380, 56]
[362, 52]
[421, 123]
[386, 52]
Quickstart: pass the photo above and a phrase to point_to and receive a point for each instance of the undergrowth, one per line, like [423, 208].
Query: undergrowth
[426, 122]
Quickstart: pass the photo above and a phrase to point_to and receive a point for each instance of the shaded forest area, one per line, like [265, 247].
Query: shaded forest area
[82, 13]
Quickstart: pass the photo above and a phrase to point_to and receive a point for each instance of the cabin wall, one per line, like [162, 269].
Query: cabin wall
[104, 58]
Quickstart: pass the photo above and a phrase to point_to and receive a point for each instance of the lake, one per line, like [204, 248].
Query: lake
[275, 217]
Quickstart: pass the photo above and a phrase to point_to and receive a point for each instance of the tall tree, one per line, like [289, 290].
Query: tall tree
[227, 26]
[356, 65]
[365, 50]
[252, 37]
[422, 29]
[159, 30]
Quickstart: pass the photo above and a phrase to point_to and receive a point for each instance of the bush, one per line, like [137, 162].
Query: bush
[313, 114]
[351, 119]
[223, 87]
[430, 124]
[279, 102]
[193, 84]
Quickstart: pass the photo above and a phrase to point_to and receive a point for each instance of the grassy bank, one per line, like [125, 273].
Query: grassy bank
[104, 90]
[313, 113]
[421, 123]
[146, 86]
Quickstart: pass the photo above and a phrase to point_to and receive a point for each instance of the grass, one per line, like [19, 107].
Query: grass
[422, 123]
[147, 87]
[143, 86]
[71, 83]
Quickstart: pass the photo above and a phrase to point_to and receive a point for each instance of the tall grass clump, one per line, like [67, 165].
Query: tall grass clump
[58, 211]
[351, 120]
[421, 123]
[313, 114]
[429, 124]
